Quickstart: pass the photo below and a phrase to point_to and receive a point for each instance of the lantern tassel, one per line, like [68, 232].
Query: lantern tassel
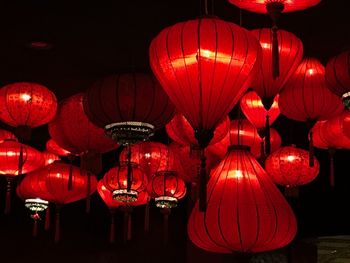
[128, 187]
[57, 224]
[47, 219]
[165, 212]
[262, 152]
[203, 184]
[331, 153]
[311, 150]
[36, 218]
[8, 195]
[112, 227]
[267, 136]
[88, 196]
[20, 160]
[147, 218]
[70, 177]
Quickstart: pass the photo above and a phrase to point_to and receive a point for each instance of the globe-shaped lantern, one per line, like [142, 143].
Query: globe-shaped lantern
[116, 181]
[246, 212]
[289, 166]
[130, 107]
[26, 105]
[338, 76]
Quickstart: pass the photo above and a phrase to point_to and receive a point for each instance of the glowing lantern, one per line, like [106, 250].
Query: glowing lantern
[26, 105]
[306, 97]
[12, 154]
[246, 212]
[338, 76]
[180, 130]
[289, 166]
[204, 65]
[126, 108]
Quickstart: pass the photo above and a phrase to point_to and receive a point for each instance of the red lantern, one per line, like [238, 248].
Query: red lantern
[246, 212]
[6, 135]
[180, 130]
[53, 147]
[116, 181]
[338, 76]
[290, 53]
[49, 157]
[26, 105]
[126, 106]
[150, 157]
[289, 166]
[204, 65]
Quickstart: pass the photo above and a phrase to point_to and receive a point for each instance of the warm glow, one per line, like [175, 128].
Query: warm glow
[49, 161]
[235, 174]
[310, 71]
[11, 153]
[26, 97]
[265, 45]
[291, 158]
[58, 175]
[147, 155]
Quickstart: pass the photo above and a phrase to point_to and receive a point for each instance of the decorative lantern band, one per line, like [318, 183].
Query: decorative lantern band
[165, 202]
[125, 196]
[346, 99]
[129, 132]
[36, 204]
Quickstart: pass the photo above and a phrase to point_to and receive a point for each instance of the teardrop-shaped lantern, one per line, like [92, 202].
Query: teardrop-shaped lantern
[246, 212]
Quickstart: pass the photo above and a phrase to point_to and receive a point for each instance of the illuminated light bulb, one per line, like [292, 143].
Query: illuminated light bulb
[310, 71]
[147, 155]
[26, 97]
[10, 153]
[235, 174]
[291, 158]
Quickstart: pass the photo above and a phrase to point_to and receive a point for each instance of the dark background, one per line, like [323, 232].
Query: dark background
[92, 39]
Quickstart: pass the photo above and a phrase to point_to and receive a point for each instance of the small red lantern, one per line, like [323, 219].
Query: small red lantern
[338, 76]
[289, 166]
[116, 181]
[26, 105]
[53, 147]
[17, 159]
[246, 212]
[180, 130]
[126, 106]
[6, 135]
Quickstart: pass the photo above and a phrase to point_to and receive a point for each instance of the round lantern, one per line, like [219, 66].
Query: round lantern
[49, 157]
[204, 65]
[17, 159]
[129, 106]
[338, 76]
[306, 97]
[116, 181]
[73, 131]
[53, 147]
[246, 212]
[289, 166]
[6, 135]
[181, 131]
[26, 105]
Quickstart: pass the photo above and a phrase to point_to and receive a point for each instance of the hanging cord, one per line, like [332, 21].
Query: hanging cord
[70, 177]
[47, 218]
[128, 186]
[267, 136]
[36, 218]
[57, 224]
[8, 195]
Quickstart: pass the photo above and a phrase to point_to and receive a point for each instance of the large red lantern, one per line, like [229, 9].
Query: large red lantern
[338, 76]
[204, 65]
[246, 212]
[181, 131]
[289, 166]
[117, 181]
[73, 131]
[306, 97]
[26, 105]
[126, 106]
[17, 159]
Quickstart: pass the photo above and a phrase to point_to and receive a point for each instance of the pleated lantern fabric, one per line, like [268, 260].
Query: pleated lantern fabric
[290, 52]
[259, 6]
[6, 135]
[246, 212]
[306, 96]
[255, 112]
[289, 166]
[132, 97]
[181, 131]
[26, 105]
[204, 65]
[338, 75]
[53, 147]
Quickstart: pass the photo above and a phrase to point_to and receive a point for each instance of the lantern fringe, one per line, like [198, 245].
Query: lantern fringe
[291, 191]
[331, 152]
[112, 226]
[8, 195]
[36, 218]
[147, 218]
[166, 213]
[47, 218]
[88, 196]
[57, 224]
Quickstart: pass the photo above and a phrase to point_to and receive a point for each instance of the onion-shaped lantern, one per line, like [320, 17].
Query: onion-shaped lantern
[26, 105]
[338, 76]
[204, 65]
[289, 166]
[126, 106]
